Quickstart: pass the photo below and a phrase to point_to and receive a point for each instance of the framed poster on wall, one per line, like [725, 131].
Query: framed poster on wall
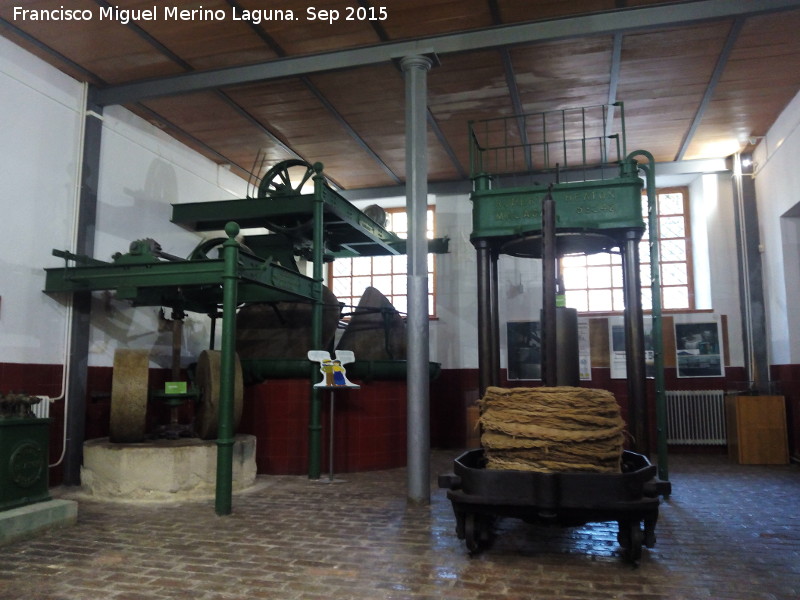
[616, 342]
[698, 349]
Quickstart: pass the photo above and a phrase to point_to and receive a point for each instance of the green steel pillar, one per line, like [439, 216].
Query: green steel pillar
[657, 334]
[315, 416]
[225, 440]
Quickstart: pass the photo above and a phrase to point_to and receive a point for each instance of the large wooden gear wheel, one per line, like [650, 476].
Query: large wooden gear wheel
[207, 381]
[129, 394]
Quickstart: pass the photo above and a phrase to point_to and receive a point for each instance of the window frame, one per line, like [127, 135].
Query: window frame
[687, 237]
[353, 300]
[645, 266]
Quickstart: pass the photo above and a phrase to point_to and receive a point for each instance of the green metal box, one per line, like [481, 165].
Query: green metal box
[609, 205]
[24, 454]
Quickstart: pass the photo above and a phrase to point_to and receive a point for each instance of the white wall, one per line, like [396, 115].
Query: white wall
[716, 263]
[39, 147]
[142, 172]
[454, 335]
[778, 193]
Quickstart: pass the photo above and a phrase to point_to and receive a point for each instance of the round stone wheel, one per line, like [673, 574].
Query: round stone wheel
[207, 380]
[129, 396]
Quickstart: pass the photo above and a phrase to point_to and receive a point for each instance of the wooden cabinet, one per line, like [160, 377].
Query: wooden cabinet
[757, 429]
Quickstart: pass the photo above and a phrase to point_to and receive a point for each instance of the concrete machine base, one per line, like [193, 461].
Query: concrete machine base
[26, 521]
[162, 470]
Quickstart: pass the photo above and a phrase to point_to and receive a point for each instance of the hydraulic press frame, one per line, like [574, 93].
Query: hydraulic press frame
[579, 159]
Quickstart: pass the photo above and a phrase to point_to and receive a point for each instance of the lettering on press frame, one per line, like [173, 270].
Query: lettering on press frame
[529, 208]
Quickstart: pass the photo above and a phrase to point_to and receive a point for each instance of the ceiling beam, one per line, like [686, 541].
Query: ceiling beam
[615, 21]
[317, 93]
[613, 81]
[516, 103]
[344, 124]
[53, 54]
[448, 149]
[722, 61]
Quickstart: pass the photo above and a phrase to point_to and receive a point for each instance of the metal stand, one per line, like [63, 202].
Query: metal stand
[332, 389]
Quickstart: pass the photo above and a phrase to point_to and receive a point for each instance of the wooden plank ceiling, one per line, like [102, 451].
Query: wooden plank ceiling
[697, 88]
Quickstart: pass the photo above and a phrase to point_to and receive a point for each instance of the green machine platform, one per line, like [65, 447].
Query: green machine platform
[317, 224]
[576, 160]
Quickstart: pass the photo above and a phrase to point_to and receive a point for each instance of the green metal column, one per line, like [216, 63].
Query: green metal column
[657, 332]
[315, 416]
[225, 439]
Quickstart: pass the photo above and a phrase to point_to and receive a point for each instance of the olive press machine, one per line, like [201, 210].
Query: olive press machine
[317, 225]
[548, 185]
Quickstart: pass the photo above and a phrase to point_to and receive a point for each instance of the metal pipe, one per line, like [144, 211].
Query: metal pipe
[177, 336]
[65, 372]
[225, 440]
[415, 69]
[212, 338]
[656, 335]
[638, 422]
[485, 352]
[494, 317]
[318, 246]
[751, 284]
[549, 282]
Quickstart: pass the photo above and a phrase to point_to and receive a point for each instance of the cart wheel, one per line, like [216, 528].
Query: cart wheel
[129, 396]
[460, 519]
[650, 529]
[477, 532]
[207, 377]
[471, 536]
[631, 537]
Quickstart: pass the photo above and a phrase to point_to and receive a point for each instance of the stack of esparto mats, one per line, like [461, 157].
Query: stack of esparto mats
[552, 429]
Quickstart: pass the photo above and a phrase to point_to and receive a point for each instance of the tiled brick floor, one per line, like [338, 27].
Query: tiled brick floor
[728, 532]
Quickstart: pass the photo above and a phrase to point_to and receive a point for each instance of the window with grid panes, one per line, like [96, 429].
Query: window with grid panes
[594, 283]
[349, 277]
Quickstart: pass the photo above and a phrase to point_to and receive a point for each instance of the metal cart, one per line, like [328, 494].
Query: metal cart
[569, 499]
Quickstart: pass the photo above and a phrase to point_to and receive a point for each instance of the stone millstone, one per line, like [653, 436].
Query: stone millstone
[129, 396]
[376, 330]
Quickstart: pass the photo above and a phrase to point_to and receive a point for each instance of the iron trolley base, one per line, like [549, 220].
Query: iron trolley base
[480, 495]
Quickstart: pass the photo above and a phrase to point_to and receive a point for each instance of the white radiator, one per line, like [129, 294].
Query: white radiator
[41, 410]
[696, 417]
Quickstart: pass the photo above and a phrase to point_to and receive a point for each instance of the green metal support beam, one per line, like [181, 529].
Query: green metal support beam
[225, 435]
[344, 223]
[259, 280]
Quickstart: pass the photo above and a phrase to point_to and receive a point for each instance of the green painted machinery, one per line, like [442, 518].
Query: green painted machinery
[576, 161]
[24, 445]
[305, 218]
